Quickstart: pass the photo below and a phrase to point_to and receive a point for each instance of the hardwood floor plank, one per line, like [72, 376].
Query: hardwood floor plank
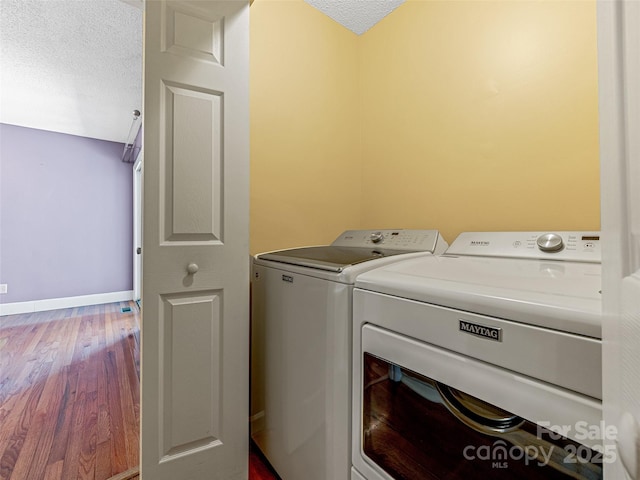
[11, 409]
[131, 444]
[19, 452]
[87, 459]
[88, 384]
[48, 406]
[68, 382]
[56, 398]
[69, 393]
[53, 471]
[103, 460]
[74, 442]
[22, 365]
[118, 448]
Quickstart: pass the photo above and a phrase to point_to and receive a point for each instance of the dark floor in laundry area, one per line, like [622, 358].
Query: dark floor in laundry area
[259, 467]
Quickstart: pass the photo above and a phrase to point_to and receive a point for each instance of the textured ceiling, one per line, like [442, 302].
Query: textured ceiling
[357, 15]
[75, 66]
[71, 66]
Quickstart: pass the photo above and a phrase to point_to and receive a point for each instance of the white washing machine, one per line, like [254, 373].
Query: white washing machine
[301, 347]
[484, 362]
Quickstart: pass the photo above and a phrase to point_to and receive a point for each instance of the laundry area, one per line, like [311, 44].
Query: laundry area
[438, 364]
[479, 120]
[369, 240]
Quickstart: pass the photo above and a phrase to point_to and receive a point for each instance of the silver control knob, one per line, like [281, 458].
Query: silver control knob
[376, 237]
[550, 242]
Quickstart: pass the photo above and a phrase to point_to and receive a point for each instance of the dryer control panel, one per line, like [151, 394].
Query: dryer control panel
[570, 246]
[405, 240]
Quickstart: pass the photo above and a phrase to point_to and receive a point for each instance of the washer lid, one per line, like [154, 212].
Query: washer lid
[328, 257]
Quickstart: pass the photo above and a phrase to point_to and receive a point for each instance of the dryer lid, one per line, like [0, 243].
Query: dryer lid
[563, 296]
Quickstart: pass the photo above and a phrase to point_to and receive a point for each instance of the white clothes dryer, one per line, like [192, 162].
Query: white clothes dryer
[301, 346]
[484, 362]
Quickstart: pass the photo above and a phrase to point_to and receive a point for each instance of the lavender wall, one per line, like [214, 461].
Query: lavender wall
[65, 215]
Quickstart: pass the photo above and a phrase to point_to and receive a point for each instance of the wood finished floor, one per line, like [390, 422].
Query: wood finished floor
[69, 393]
[69, 396]
[259, 468]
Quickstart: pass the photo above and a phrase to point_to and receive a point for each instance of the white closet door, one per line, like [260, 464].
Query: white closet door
[619, 84]
[195, 316]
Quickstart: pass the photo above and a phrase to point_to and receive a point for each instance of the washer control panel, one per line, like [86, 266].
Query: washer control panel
[567, 245]
[406, 240]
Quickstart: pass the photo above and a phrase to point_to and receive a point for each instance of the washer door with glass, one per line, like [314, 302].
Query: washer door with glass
[412, 426]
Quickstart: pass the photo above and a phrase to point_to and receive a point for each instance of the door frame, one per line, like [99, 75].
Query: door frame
[619, 117]
[137, 227]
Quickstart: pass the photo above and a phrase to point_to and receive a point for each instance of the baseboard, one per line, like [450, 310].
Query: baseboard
[67, 302]
[257, 423]
[128, 475]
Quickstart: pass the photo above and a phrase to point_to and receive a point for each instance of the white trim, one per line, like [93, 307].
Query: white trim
[137, 226]
[619, 114]
[67, 302]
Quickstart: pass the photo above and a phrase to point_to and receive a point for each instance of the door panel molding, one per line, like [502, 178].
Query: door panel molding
[191, 169]
[190, 342]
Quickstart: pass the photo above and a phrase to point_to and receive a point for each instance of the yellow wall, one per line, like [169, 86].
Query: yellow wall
[305, 131]
[456, 115]
[481, 115]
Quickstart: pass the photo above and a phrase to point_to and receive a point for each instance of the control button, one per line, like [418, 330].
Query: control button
[376, 237]
[550, 242]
